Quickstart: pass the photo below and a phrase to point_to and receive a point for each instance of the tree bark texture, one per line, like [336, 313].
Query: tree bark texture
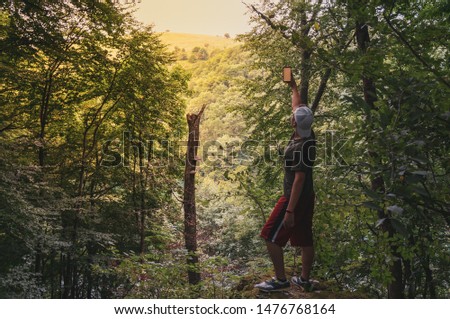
[190, 215]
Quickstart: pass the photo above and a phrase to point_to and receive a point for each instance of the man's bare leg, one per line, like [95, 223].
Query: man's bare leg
[307, 261]
[277, 256]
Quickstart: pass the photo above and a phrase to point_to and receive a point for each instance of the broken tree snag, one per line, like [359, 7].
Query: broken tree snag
[190, 215]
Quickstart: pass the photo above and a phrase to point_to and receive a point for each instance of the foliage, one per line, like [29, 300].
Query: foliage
[406, 130]
[82, 95]
[92, 109]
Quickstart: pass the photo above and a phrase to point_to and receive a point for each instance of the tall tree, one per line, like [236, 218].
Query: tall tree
[396, 287]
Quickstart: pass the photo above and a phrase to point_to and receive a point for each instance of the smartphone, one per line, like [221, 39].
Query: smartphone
[287, 72]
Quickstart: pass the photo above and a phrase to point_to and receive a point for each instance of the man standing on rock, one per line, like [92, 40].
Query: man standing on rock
[291, 218]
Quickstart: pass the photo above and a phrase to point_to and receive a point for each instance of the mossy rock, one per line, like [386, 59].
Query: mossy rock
[322, 290]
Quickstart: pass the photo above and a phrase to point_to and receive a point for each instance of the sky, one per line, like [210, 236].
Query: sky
[211, 17]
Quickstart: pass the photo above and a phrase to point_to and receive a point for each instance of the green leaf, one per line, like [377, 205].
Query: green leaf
[419, 189]
[380, 222]
[372, 194]
[395, 209]
[399, 227]
[372, 205]
[420, 173]
[420, 159]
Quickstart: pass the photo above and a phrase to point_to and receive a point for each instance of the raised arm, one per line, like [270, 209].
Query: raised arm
[296, 98]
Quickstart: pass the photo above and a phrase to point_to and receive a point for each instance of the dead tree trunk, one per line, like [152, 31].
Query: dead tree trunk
[190, 215]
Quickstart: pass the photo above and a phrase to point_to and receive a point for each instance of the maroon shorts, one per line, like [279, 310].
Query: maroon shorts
[301, 234]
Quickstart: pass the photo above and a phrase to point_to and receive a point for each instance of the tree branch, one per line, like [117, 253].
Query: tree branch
[7, 127]
[270, 22]
[321, 89]
[415, 53]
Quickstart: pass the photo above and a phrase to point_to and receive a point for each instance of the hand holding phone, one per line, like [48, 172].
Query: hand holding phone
[287, 74]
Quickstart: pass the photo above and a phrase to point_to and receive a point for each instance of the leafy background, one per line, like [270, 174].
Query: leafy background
[88, 211]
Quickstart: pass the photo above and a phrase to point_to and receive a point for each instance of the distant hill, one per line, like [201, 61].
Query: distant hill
[190, 41]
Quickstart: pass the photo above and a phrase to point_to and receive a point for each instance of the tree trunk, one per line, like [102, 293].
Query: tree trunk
[305, 63]
[43, 115]
[305, 76]
[67, 287]
[142, 186]
[190, 216]
[429, 282]
[396, 287]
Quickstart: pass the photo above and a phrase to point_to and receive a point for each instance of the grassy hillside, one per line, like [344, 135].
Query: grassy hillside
[190, 41]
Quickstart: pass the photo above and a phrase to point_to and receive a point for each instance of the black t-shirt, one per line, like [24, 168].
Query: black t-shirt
[299, 155]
